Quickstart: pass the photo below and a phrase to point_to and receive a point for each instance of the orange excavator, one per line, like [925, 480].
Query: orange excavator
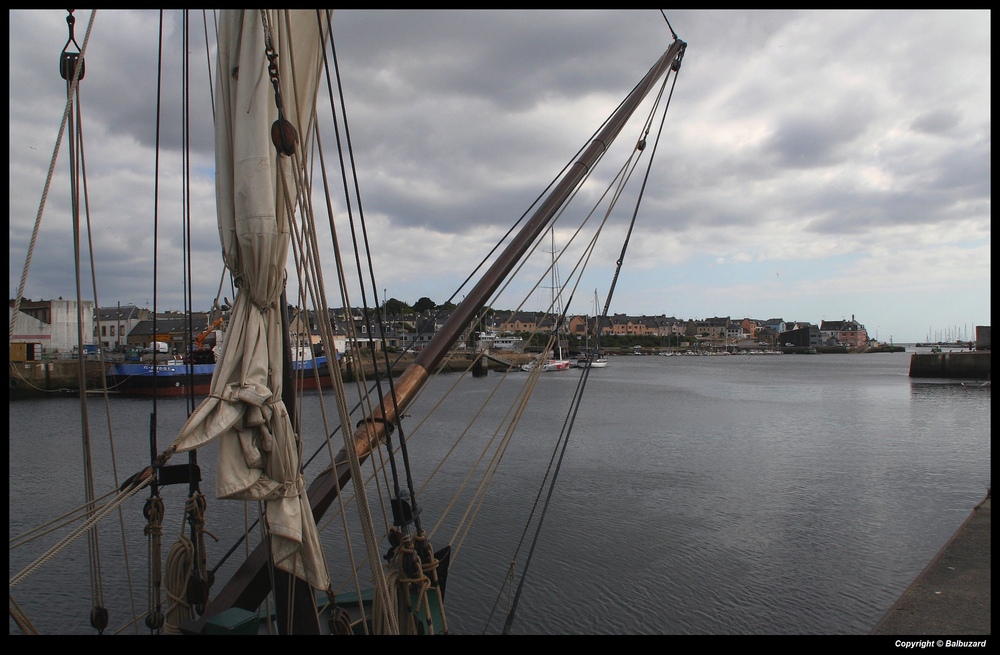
[198, 355]
[209, 330]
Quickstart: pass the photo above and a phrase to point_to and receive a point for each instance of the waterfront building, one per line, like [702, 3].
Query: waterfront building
[53, 324]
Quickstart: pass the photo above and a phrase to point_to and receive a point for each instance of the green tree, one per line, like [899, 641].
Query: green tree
[395, 307]
[425, 304]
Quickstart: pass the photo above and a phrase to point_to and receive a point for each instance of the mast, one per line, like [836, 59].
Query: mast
[555, 303]
[597, 330]
[431, 356]
[249, 586]
[434, 353]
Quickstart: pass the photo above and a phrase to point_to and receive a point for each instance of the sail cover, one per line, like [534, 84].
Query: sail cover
[259, 452]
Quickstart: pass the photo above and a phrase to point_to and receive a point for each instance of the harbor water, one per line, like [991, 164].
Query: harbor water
[727, 495]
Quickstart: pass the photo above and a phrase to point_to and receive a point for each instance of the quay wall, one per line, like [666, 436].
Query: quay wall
[47, 377]
[951, 596]
[40, 378]
[972, 365]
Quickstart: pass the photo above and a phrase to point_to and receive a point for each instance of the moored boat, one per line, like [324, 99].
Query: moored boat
[593, 360]
[171, 378]
[592, 357]
[547, 365]
[179, 378]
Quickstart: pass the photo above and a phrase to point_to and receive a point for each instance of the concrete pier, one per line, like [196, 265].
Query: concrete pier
[951, 597]
[971, 365]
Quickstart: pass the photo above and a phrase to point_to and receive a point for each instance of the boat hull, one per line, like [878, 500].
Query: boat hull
[174, 379]
[550, 365]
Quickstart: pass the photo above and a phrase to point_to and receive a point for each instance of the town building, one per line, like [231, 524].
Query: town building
[49, 326]
[113, 325]
[54, 326]
[844, 333]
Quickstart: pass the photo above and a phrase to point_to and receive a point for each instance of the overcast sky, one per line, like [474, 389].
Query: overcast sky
[814, 165]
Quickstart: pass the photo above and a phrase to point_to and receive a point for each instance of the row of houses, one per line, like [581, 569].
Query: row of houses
[718, 330]
[52, 326]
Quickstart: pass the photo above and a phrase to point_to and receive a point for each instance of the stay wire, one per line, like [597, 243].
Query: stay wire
[404, 454]
[571, 417]
[676, 68]
[669, 26]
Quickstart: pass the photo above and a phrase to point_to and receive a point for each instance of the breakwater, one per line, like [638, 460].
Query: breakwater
[972, 365]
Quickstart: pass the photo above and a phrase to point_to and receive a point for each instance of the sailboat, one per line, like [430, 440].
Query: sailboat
[383, 576]
[592, 357]
[551, 357]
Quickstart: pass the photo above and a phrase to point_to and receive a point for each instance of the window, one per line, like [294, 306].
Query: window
[112, 330]
[104, 330]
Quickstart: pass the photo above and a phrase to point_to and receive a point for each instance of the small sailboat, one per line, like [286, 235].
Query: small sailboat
[592, 357]
[551, 358]
[548, 364]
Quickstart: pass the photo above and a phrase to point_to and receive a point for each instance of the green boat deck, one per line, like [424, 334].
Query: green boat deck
[239, 621]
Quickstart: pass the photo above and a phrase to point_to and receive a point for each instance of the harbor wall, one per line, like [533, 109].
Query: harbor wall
[46, 377]
[29, 379]
[951, 596]
[983, 337]
[972, 365]
[39, 378]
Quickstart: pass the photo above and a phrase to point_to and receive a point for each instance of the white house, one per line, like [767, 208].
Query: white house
[53, 324]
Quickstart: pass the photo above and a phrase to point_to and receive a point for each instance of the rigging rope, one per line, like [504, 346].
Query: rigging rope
[153, 512]
[571, 416]
[72, 70]
[185, 576]
[310, 259]
[91, 521]
[72, 84]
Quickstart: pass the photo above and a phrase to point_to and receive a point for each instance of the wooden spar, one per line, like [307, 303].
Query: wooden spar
[438, 347]
[413, 378]
[250, 584]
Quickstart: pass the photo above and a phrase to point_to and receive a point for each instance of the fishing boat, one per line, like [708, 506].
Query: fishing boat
[494, 342]
[339, 521]
[179, 377]
[507, 344]
[173, 377]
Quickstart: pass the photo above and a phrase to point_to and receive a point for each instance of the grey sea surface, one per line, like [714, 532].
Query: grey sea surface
[726, 495]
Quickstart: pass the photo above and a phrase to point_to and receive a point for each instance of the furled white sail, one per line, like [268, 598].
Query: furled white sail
[259, 454]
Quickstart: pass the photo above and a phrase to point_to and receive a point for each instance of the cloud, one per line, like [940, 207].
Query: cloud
[847, 149]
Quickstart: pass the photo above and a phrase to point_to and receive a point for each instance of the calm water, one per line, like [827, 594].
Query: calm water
[787, 494]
